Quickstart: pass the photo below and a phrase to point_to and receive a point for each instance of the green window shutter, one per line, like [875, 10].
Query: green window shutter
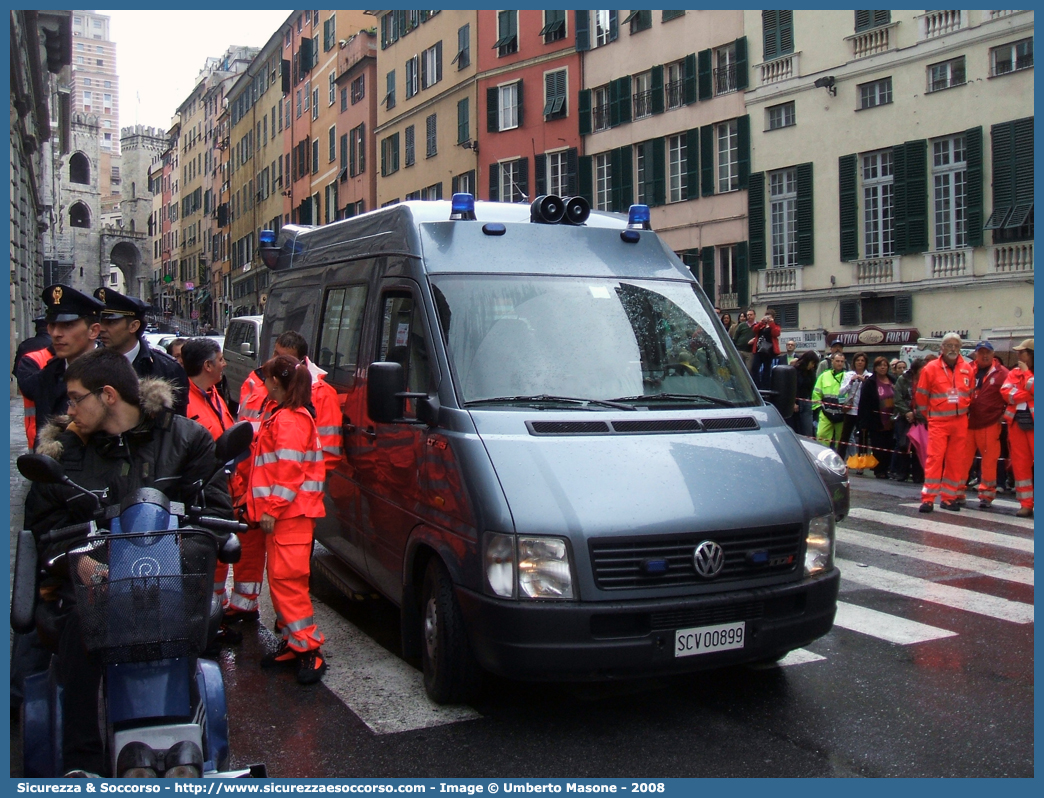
[862, 20]
[523, 176]
[492, 109]
[786, 32]
[583, 30]
[521, 103]
[540, 169]
[572, 173]
[689, 79]
[623, 94]
[848, 312]
[769, 32]
[614, 103]
[806, 254]
[742, 67]
[584, 110]
[1023, 137]
[848, 206]
[882, 17]
[494, 182]
[659, 172]
[743, 147]
[916, 196]
[615, 176]
[756, 221]
[903, 308]
[707, 263]
[657, 89]
[707, 160]
[585, 178]
[463, 121]
[1002, 143]
[973, 185]
[622, 164]
[742, 275]
[692, 163]
[706, 88]
[614, 25]
[899, 196]
[691, 259]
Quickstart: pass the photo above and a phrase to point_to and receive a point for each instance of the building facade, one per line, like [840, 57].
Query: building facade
[357, 117]
[891, 193]
[427, 68]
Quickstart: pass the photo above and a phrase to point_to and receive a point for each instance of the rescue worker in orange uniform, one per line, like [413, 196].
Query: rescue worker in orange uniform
[1018, 392]
[37, 359]
[943, 395]
[325, 400]
[984, 423]
[285, 496]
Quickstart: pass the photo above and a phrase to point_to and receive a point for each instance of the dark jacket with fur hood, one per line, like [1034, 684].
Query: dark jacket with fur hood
[164, 451]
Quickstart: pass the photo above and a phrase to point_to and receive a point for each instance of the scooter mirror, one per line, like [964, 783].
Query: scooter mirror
[231, 550]
[41, 468]
[234, 441]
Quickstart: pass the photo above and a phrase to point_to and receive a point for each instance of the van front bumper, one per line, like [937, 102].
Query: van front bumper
[580, 641]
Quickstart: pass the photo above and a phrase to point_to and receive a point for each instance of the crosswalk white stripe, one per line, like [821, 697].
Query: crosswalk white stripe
[799, 656]
[887, 627]
[925, 590]
[951, 559]
[385, 692]
[997, 518]
[943, 528]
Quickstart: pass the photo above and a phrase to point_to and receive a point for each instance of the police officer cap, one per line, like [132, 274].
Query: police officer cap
[65, 303]
[118, 306]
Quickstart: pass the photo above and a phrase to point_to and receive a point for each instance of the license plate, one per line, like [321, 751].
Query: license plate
[707, 639]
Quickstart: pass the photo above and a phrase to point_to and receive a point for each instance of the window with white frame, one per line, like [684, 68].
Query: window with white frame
[508, 107]
[783, 216]
[728, 156]
[725, 69]
[510, 172]
[412, 76]
[432, 70]
[600, 117]
[677, 168]
[507, 29]
[358, 89]
[946, 75]
[875, 93]
[554, 26]
[557, 173]
[315, 104]
[674, 85]
[878, 204]
[639, 168]
[949, 187]
[601, 28]
[603, 182]
[728, 272]
[1011, 57]
[332, 89]
[642, 88]
[780, 115]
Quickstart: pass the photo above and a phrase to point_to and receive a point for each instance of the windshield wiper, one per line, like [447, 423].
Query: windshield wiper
[674, 397]
[548, 398]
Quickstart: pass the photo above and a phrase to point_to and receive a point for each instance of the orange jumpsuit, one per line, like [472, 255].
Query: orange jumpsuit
[328, 420]
[1018, 390]
[943, 396]
[286, 482]
[984, 431]
[41, 357]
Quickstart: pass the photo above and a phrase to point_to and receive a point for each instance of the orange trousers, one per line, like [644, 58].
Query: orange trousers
[946, 446]
[1020, 446]
[248, 572]
[986, 441]
[289, 550]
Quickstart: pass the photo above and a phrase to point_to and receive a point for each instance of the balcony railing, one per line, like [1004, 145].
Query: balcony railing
[939, 23]
[947, 264]
[874, 41]
[779, 69]
[1012, 258]
[779, 280]
[725, 79]
[996, 14]
[642, 104]
[675, 94]
[875, 271]
[600, 117]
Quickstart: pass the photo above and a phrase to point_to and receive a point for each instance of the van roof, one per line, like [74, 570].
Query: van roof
[411, 228]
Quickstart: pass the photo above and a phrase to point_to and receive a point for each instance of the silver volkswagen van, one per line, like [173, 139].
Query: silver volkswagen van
[555, 462]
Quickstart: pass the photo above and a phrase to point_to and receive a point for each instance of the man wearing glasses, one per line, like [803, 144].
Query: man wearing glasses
[944, 393]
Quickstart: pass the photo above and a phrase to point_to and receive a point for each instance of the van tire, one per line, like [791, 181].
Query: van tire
[451, 675]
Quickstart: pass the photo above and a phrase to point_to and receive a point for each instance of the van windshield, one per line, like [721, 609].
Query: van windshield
[585, 342]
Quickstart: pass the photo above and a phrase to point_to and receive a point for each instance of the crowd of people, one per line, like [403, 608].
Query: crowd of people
[119, 415]
[942, 421]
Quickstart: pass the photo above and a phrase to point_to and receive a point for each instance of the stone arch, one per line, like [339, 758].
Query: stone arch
[127, 258]
[79, 168]
[79, 215]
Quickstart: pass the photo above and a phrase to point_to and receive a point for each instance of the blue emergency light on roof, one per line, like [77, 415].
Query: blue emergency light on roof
[462, 207]
[639, 217]
[266, 247]
[266, 238]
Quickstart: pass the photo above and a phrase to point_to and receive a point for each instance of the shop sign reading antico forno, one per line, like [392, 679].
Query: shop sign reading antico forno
[872, 336]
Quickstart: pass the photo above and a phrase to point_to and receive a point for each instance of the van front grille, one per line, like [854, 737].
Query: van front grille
[726, 424]
[626, 563]
[568, 427]
[662, 425]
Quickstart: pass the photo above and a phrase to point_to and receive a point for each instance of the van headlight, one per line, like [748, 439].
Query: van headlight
[543, 568]
[826, 457]
[819, 545]
[527, 567]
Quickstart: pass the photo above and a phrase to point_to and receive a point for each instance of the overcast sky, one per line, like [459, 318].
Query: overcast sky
[159, 54]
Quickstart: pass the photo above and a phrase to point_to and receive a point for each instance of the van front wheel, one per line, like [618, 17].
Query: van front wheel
[451, 675]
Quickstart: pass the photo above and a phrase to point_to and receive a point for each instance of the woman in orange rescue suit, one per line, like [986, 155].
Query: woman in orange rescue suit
[285, 496]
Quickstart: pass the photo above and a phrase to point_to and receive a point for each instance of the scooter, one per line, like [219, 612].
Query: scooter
[147, 609]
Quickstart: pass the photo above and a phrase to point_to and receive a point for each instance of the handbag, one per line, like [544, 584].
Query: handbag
[1024, 418]
[834, 412]
[765, 346]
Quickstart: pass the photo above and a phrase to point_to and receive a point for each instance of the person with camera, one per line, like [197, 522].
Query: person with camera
[1018, 392]
[120, 434]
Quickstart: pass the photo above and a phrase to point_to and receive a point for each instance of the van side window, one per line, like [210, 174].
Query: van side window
[236, 336]
[403, 341]
[340, 333]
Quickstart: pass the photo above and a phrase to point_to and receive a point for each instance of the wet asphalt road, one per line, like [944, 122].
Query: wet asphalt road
[931, 675]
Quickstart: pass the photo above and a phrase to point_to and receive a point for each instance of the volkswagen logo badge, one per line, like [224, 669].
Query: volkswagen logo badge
[708, 559]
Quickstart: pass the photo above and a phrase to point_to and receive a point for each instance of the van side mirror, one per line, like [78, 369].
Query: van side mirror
[246, 349]
[783, 389]
[384, 380]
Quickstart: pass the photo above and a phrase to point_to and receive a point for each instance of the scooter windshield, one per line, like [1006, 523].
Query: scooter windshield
[525, 338]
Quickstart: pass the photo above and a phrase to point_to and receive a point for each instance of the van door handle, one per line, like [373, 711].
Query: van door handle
[370, 433]
[347, 428]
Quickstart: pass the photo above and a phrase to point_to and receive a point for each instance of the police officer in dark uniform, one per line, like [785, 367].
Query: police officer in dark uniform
[72, 322]
[122, 326]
